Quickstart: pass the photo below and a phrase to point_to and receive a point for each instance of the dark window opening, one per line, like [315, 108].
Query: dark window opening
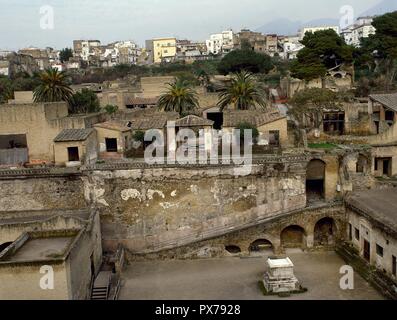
[260, 245]
[217, 117]
[274, 138]
[387, 167]
[73, 154]
[334, 123]
[367, 251]
[315, 181]
[111, 144]
[389, 116]
[350, 232]
[233, 249]
[379, 250]
[357, 234]
[4, 246]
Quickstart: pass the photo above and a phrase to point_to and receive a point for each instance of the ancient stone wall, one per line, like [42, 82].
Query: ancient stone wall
[154, 209]
[41, 193]
[270, 231]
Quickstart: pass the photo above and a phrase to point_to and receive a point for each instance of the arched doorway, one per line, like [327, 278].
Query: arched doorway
[233, 249]
[324, 232]
[315, 180]
[4, 246]
[362, 164]
[293, 237]
[261, 246]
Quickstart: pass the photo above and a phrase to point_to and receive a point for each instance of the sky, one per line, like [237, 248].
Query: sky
[138, 20]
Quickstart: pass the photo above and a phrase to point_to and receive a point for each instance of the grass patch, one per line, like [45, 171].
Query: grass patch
[280, 294]
[324, 145]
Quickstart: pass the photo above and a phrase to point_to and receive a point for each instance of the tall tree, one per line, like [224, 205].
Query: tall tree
[312, 104]
[180, 97]
[65, 54]
[378, 52]
[6, 89]
[85, 101]
[323, 50]
[53, 87]
[244, 92]
[245, 60]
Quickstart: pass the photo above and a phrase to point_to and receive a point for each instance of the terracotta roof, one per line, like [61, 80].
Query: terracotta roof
[73, 135]
[388, 100]
[193, 121]
[379, 205]
[130, 101]
[146, 123]
[114, 125]
[255, 118]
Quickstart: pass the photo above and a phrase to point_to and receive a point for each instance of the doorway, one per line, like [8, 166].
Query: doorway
[217, 117]
[367, 250]
[324, 232]
[73, 154]
[387, 167]
[293, 237]
[315, 180]
[111, 144]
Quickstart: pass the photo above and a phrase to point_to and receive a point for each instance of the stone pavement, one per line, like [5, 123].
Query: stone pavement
[237, 278]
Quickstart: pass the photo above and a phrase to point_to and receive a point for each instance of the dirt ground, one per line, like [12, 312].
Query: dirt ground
[237, 279]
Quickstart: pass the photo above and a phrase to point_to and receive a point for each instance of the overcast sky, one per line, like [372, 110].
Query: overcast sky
[109, 20]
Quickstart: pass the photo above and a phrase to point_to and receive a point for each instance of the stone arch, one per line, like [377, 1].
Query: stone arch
[233, 249]
[260, 245]
[4, 246]
[293, 236]
[315, 180]
[325, 232]
[338, 75]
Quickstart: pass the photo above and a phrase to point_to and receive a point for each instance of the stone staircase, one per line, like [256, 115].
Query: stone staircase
[101, 288]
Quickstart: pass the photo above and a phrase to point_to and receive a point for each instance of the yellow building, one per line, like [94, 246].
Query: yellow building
[162, 49]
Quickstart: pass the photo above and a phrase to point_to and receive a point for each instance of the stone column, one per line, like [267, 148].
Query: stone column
[310, 240]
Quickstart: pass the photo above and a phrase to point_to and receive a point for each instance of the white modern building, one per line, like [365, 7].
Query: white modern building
[304, 30]
[85, 48]
[291, 46]
[363, 28]
[220, 43]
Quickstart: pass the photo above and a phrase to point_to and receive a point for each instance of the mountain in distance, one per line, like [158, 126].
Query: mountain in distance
[381, 8]
[284, 26]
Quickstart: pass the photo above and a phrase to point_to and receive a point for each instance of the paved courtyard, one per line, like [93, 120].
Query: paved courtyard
[235, 278]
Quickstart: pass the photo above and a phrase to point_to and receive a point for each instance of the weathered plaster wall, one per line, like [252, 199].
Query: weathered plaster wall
[86, 250]
[375, 236]
[23, 282]
[153, 209]
[270, 231]
[41, 193]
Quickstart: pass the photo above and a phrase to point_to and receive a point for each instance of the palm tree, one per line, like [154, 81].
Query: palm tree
[53, 87]
[180, 97]
[243, 92]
